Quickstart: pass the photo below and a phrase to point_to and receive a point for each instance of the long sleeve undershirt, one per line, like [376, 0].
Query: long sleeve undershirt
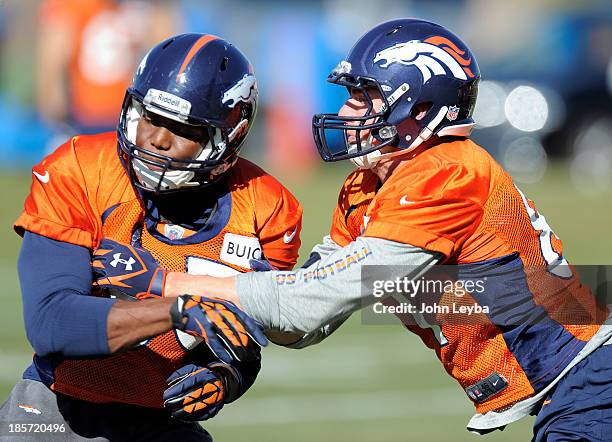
[60, 317]
[297, 302]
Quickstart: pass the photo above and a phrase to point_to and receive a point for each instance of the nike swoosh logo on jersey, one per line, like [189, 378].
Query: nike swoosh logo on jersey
[405, 202]
[288, 238]
[43, 178]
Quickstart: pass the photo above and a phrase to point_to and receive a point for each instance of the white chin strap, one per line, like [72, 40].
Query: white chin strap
[369, 160]
[171, 179]
[365, 161]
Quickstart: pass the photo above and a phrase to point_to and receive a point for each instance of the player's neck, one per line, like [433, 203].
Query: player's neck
[385, 168]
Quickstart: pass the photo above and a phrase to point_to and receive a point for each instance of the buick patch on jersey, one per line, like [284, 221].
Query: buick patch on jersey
[238, 249]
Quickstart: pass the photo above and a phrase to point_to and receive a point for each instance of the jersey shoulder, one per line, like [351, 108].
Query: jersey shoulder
[246, 174]
[257, 191]
[89, 163]
[454, 170]
[72, 187]
[99, 150]
[261, 203]
[247, 177]
[98, 159]
[434, 200]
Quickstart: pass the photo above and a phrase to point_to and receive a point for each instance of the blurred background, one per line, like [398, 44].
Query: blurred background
[544, 111]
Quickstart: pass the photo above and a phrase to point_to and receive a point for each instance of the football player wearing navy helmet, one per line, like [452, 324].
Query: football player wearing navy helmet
[111, 217]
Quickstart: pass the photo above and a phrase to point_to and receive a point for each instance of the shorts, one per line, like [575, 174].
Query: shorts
[579, 407]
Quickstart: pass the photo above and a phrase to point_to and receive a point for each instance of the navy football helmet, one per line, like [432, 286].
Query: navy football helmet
[202, 82]
[412, 64]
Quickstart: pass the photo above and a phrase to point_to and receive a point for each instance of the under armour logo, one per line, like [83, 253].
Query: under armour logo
[126, 262]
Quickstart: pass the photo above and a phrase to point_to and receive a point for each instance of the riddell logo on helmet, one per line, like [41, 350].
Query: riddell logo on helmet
[167, 101]
[434, 56]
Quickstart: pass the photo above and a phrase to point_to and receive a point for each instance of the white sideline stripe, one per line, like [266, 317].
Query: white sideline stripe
[283, 409]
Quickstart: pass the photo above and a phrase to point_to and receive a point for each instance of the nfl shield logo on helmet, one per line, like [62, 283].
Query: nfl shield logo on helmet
[452, 113]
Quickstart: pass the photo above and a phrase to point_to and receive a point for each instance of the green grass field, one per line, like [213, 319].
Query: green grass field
[366, 382]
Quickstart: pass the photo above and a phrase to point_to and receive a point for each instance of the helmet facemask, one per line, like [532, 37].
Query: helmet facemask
[333, 133]
[154, 172]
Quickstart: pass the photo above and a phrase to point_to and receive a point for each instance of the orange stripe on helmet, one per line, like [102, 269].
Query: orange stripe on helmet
[451, 48]
[199, 44]
[437, 40]
[469, 72]
[461, 61]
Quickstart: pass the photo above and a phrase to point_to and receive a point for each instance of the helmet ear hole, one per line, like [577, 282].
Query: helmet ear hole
[419, 110]
[224, 62]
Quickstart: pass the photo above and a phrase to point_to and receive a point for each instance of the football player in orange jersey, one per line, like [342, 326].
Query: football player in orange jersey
[166, 193]
[425, 194]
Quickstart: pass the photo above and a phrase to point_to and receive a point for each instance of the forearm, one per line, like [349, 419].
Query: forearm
[59, 315]
[178, 284]
[62, 317]
[308, 299]
[182, 283]
[316, 336]
[68, 323]
[129, 323]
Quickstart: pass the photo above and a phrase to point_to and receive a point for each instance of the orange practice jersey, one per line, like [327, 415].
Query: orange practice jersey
[81, 193]
[454, 199]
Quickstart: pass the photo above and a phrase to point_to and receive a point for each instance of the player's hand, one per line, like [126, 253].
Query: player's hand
[225, 328]
[124, 271]
[194, 393]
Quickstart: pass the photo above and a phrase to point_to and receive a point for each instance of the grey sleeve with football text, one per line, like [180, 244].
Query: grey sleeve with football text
[323, 295]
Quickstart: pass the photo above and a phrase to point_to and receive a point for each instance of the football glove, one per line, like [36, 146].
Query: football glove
[225, 328]
[194, 393]
[261, 265]
[128, 272]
